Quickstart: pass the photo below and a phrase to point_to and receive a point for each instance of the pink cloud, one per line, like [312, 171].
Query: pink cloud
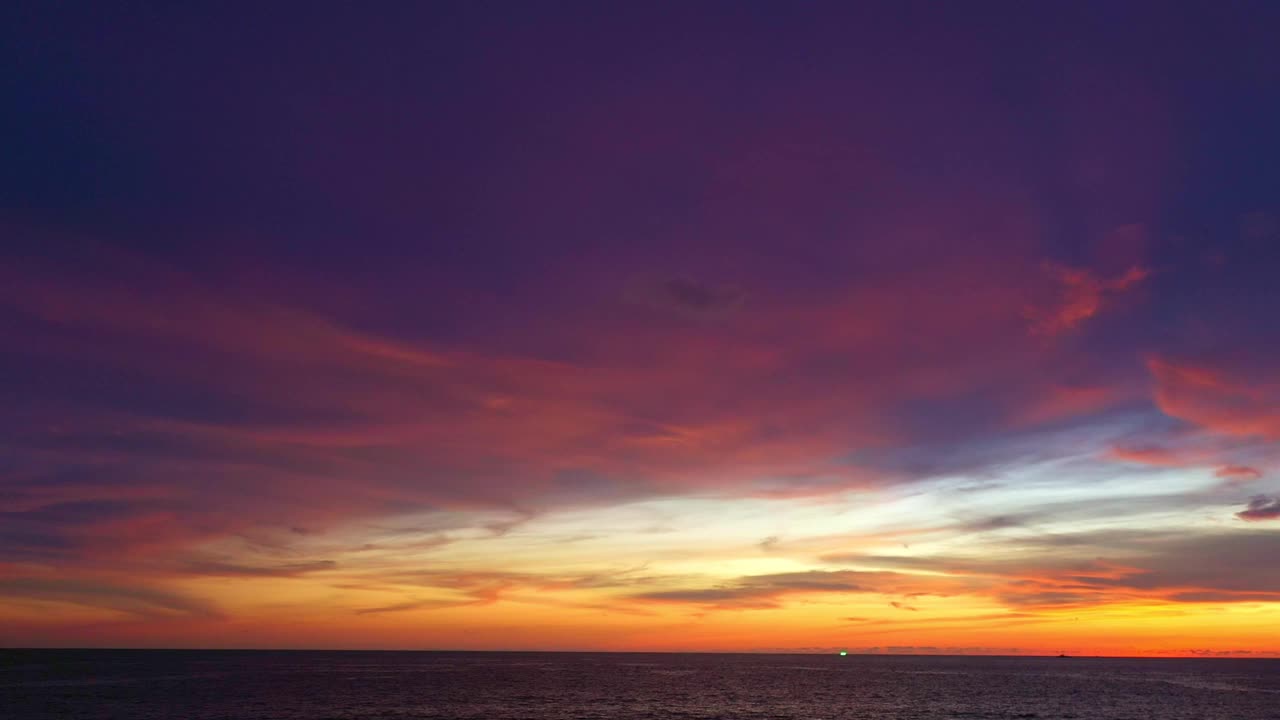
[1081, 295]
[1237, 474]
[1217, 399]
[1157, 456]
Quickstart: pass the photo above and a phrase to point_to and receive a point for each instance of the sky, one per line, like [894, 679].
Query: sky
[888, 327]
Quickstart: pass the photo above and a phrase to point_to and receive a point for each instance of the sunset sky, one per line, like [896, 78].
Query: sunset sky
[888, 327]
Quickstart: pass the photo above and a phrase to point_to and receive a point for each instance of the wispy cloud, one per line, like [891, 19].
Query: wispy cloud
[767, 591]
[1238, 474]
[231, 569]
[687, 296]
[1082, 294]
[139, 601]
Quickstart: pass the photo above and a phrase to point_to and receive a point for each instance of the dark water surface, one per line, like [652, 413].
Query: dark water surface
[256, 685]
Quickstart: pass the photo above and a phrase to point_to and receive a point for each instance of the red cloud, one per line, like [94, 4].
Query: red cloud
[1237, 474]
[1081, 295]
[1158, 456]
[1216, 399]
[1061, 401]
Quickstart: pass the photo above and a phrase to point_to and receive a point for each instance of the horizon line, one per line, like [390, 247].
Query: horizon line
[830, 653]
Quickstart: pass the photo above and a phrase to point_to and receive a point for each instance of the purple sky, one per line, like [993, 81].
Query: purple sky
[281, 283]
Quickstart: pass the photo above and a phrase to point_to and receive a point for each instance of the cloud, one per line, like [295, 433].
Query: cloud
[97, 528]
[1238, 474]
[1060, 402]
[135, 600]
[904, 606]
[407, 606]
[488, 586]
[898, 650]
[1099, 568]
[766, 591]
[231, 569]
[1157, 456]
[1261, 507]
[1259, 225]
[1218, 399]
[1195, 451]
[1082, 294]
[1222, 596]
[995, 522]
[687, 296]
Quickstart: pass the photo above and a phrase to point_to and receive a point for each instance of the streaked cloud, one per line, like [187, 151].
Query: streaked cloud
[687, 296]
[1081, 294]
[1238, 474]
[134, 600]
[767, 591]
[1216, 398]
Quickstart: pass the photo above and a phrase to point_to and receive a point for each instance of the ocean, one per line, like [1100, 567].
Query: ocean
[301, 685]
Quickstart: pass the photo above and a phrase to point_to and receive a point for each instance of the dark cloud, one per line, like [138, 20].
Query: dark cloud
[1259, 225]
[1261, 507]
[721, 597]
[904, 606]
[33, 543]
[1216, 561]
[996, 522]
[135, 600]
[408, 605]
[1104, 541]
[1216, 596]
[1051, 599]
[503, 527]
[896, 650]
[214, 567]
[68, 529]
[687, 296]
[485, 586]
[764, 591]
[1103, 567]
